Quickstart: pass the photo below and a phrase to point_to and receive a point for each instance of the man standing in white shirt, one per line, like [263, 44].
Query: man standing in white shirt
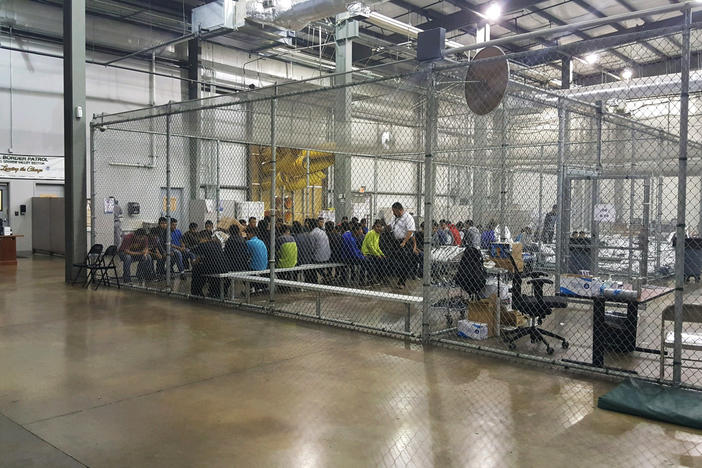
[402, 227]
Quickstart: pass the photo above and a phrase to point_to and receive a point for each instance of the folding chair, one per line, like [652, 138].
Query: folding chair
[105, 268]
[92, 260]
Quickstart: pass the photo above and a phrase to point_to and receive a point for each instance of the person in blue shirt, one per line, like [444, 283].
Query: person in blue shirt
[488, 236]
[257, 249]
[350, 252]
[181, 254]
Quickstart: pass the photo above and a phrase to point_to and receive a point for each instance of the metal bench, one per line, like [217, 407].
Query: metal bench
[323, 288]
[296, 269]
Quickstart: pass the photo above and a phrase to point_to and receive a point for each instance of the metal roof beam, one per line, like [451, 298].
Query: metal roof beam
[595, 11]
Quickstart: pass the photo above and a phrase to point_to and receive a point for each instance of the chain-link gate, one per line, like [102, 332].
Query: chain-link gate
[377, 200]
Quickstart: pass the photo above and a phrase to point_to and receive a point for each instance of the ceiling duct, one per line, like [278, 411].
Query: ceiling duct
[296, 14]
[226, 15]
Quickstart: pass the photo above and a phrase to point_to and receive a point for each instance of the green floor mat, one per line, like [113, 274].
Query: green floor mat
[652, 401]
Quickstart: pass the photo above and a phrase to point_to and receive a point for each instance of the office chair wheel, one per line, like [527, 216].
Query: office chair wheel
[511, 346]
[549, 350]
[565, 345]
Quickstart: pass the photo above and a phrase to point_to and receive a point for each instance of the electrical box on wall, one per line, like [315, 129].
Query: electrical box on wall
[132, 208]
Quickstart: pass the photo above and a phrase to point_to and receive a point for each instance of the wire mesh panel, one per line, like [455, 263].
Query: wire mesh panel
[385, 200]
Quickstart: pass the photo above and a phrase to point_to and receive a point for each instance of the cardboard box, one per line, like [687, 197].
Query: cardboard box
[500, 252]
[483, 311]
[576, 285]
[472, 330]
[512, 318]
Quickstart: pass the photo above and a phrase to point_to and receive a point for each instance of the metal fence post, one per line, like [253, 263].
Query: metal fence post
[503, 175]
[92, 186]
[630, 258]
[682, 193]
[271, 253]
[595, 196]
[168, 198]
[430, 128]
[560, 191]
[217, 194]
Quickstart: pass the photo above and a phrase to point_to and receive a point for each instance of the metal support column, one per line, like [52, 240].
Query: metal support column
[271, 253]
[346, 29]
[193, 119]
[682, 193]
[566, 72]
[429, 139]
[74, 133]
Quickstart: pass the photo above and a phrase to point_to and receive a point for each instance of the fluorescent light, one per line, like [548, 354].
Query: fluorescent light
[627, 74]
[493, 12]
[592, 59]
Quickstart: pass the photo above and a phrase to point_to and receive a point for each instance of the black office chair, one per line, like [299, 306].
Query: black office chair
[92, 261]
[536, 307]
[105, 268]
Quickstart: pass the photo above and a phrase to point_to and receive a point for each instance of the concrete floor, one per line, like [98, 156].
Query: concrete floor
[120, 378]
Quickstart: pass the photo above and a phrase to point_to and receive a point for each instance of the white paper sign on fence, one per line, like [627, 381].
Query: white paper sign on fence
[605, 213]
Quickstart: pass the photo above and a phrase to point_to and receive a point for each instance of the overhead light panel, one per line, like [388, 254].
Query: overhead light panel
[627, 74]
[493, 12]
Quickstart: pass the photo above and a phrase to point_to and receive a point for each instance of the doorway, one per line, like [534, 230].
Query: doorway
[4, 204]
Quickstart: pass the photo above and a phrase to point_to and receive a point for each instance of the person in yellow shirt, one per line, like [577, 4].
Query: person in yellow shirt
[377, 262]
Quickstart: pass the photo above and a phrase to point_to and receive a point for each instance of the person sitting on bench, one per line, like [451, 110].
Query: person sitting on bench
[135, 247]
[190, 239]
[351, 253]
[377, 262]
[209, 228]
[236, 252]
[208, 261]
[177, 247]
[161, 233]
[286, 249]
[305, 248]
[257, 249]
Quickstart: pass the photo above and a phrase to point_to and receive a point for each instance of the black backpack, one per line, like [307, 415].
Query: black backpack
[471, 275]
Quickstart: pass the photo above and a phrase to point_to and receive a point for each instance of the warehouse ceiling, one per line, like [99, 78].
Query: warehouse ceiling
[460, 18]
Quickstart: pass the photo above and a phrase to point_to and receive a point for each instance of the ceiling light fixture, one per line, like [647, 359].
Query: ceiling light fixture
[592, 59]
[493, 12]
[627, 74]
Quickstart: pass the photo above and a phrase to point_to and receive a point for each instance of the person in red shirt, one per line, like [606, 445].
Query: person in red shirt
[454, 233]
[135, 247]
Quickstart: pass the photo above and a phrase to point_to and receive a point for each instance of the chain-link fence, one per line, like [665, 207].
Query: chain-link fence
[377, 200]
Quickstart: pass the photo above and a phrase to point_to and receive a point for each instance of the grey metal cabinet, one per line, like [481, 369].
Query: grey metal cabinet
[48, 225]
